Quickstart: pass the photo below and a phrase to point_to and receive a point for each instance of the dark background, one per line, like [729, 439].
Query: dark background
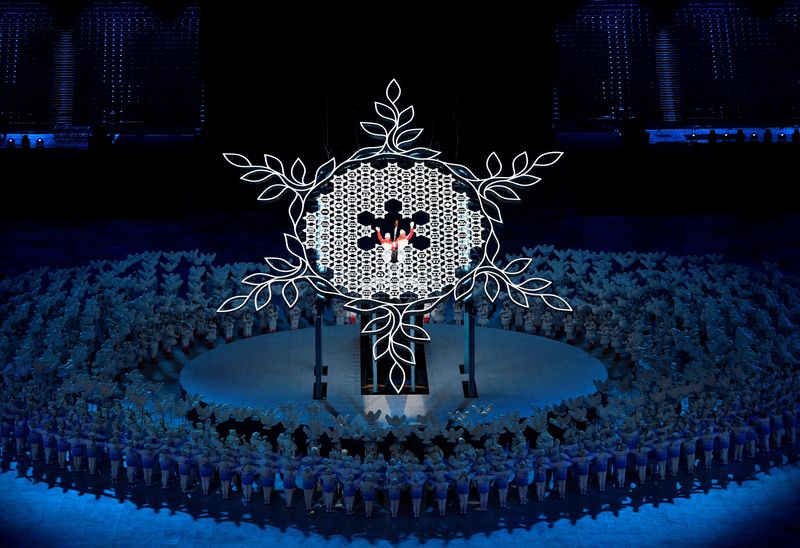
[296, 82]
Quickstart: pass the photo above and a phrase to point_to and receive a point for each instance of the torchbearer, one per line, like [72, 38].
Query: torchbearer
[388, 244]
[402, 241]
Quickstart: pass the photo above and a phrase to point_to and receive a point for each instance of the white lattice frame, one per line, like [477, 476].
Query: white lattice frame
[453, 230]
[392, 319]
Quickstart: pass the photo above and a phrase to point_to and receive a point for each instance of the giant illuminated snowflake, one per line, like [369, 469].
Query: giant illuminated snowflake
[453, 252]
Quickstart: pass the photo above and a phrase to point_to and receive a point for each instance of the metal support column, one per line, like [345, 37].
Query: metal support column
[373, 339]
[413, 354]
[469, 348]
[318, 320]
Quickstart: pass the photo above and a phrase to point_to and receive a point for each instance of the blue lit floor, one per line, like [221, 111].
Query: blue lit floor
[759, 504]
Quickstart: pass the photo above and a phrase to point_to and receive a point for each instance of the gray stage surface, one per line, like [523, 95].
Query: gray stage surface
[513, 372]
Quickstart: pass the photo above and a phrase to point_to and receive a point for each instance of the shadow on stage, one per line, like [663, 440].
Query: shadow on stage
[430, 526]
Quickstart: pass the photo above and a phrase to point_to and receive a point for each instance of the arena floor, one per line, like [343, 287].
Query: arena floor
[513, 372]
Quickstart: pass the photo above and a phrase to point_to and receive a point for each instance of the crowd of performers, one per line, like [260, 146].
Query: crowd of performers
[113, 442]
[701, 358]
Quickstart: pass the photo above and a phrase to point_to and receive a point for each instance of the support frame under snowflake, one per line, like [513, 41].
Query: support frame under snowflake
[391, 322]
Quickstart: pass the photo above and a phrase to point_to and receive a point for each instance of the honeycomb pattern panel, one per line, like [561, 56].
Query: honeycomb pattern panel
[333, 230]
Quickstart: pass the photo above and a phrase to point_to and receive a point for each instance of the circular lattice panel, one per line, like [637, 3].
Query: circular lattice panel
[453, 230]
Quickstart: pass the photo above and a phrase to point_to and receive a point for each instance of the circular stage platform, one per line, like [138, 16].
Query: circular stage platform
[513, 372]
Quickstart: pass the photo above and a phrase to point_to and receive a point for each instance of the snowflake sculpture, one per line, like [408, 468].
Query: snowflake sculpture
[454, 212]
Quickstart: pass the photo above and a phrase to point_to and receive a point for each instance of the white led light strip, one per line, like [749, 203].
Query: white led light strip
[324, 214]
